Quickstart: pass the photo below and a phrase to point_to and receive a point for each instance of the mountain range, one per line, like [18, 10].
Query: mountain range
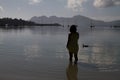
[79, 20]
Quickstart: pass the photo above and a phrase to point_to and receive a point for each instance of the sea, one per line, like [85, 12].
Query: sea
[39, 53]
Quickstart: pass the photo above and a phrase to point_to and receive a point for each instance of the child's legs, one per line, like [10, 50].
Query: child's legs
[70, 56]
[76, 56]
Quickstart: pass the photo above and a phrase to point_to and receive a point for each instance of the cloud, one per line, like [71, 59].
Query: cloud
[75, 4]
[106, 3]
[78, 4]
[1, 9]
[31, 2]
[18, 9]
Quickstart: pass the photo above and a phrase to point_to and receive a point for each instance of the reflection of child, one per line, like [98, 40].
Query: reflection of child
[72, 72]
[72, 44]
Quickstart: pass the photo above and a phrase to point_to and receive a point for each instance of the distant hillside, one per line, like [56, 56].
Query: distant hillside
[19, 23]
[15, 22]
[79, 20]
[114, 23]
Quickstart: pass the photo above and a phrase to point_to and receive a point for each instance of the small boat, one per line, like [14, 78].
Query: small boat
[85, 45]
[92, 26]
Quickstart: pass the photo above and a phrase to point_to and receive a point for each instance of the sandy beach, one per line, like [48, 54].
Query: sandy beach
[54, 69]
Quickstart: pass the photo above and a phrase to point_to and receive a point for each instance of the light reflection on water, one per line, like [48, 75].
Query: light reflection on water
[103, 51]
[43, 44]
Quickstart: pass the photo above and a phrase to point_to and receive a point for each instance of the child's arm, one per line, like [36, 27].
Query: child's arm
[68, 40]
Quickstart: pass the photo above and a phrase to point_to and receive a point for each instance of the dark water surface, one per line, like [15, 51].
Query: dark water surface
[40, 53]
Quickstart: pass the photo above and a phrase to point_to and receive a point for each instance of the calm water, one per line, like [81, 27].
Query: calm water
[40, 53]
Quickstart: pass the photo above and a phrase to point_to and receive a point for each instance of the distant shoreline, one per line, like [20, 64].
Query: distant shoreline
[19, 23]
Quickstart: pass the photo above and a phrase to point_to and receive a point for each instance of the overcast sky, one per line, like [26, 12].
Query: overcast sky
[106, 10]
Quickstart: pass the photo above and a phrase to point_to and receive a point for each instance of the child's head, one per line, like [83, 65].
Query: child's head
[73, 28]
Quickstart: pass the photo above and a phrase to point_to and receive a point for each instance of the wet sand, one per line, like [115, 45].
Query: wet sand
[52, 69]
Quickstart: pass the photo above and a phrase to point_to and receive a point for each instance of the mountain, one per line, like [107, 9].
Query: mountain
[115, 23]
[79, 20]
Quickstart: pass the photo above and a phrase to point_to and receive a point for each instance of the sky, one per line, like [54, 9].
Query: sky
[107, 10]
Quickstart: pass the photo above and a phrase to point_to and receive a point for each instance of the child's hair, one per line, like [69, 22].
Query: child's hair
[73, 28]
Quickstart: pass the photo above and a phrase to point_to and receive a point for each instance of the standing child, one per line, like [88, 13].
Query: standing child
[72, 44]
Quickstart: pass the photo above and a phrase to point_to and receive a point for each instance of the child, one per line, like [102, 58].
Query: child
[72, 44]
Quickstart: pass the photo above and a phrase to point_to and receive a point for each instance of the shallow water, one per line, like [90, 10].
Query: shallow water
[40, 53]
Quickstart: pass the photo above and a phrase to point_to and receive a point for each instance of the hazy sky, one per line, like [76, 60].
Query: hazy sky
[97, 9]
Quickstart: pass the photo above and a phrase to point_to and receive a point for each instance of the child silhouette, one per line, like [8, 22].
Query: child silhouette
[72, 43]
